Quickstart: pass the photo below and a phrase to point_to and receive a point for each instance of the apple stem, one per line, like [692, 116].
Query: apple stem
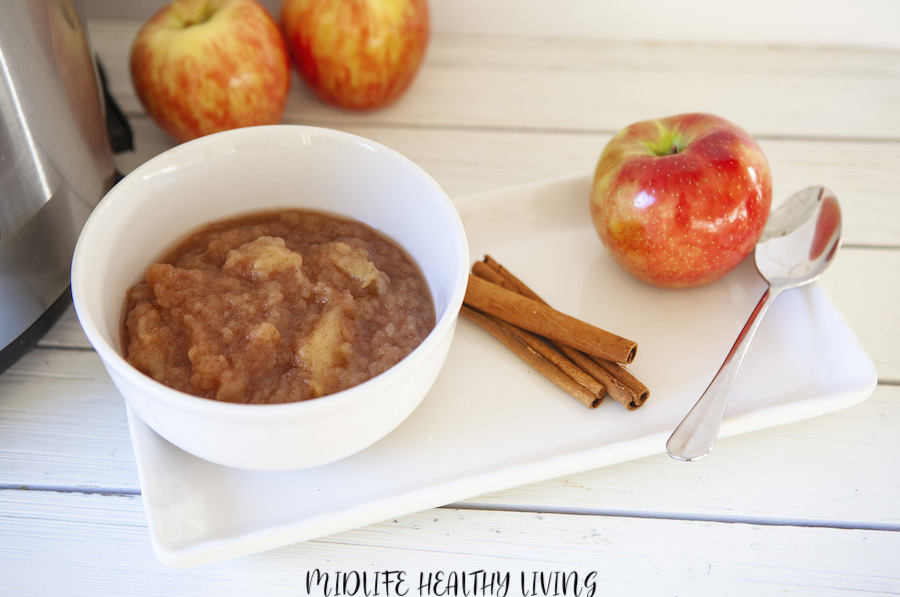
[200, 16]
[670, 144]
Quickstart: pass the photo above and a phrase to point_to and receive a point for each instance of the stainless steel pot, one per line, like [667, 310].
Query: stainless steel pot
[55, 161]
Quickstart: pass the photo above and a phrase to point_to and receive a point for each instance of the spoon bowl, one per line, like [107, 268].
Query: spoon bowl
[800, 241]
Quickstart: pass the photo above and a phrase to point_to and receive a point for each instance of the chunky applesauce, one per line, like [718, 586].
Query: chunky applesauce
[276, 307]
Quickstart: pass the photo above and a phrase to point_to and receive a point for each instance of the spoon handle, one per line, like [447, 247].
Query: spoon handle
[695, 436]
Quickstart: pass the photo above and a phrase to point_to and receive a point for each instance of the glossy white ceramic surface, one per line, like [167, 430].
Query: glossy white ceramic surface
[490, 422]
[242, 171]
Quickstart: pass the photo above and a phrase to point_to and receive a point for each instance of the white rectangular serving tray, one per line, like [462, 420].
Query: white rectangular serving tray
[491, 423]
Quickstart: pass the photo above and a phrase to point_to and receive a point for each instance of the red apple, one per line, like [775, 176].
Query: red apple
[681, 201]
[203, 66]
[357, 54]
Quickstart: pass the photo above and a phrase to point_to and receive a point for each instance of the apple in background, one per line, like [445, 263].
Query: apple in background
[357, 54]
[681, 201]
[203, 66]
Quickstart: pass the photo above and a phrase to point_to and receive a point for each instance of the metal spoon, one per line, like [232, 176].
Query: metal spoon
[799, 242]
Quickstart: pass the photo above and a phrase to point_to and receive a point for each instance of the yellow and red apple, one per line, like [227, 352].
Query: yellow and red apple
[680, 201]
[203, 66]
[357, 54]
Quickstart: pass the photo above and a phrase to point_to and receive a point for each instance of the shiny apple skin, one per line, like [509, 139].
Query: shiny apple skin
[681, 217]
[204, 66]
[357, 54]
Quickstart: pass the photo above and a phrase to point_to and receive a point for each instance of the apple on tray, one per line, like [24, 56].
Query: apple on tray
[203, 66]
[680, 201]
[357, 54]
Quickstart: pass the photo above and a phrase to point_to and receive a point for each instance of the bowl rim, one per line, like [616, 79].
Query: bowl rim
[111, 357]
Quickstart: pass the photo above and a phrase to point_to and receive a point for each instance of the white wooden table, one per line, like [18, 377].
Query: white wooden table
[808, 508]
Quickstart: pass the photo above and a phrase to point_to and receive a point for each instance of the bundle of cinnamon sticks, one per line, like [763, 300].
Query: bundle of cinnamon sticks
[585, 361]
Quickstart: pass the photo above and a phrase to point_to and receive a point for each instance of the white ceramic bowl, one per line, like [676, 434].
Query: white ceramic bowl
[241, 171]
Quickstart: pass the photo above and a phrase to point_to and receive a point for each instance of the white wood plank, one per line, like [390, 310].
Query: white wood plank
[862, 175]
[90, 544]
[575, 84]
[797, 22]
[467, 162]
[802, 22]
[63, 424]
[66, 333]
[838, 467]
[587, 85]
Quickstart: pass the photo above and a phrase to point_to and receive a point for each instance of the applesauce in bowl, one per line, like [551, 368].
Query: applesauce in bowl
[256, 170]
[275, 307]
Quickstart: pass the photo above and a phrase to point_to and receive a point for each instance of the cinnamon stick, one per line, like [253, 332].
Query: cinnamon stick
[628, 389]
[485, 271]
[565, 358]
[564, 364]
[620, 384]
[541, 319]
[492, 271]
[561, 356]
[533, 358]
[513, 283]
